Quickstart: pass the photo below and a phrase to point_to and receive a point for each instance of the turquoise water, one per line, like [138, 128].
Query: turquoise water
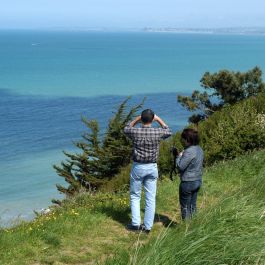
[48, 79]
[92, 64]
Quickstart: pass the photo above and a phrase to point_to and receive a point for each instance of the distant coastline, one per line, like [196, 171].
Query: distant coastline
[182, 30]
[228, 31]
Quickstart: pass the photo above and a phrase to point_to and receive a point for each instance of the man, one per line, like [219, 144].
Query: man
[144, 171]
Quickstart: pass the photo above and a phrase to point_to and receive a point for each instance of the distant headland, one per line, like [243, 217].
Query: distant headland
[232, 30]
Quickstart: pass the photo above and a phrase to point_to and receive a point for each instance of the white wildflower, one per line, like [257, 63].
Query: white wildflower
[260, 120]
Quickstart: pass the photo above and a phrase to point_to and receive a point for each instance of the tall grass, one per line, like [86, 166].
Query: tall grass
[89, 229]
[230, 232]
[230, 225]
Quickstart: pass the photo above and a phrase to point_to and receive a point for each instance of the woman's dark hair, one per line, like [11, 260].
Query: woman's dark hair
[147, 116]
[191, 136]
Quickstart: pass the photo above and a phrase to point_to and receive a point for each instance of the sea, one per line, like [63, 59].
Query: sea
[50, 79]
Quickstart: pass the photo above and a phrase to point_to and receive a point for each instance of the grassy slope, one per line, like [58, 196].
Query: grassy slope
[229, 228]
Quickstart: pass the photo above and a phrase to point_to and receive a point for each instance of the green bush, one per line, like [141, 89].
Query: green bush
[165, 161]
[228, 133]
[118, 183]
[234, 130]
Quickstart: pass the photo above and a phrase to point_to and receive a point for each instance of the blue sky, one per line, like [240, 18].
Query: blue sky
[130, 13]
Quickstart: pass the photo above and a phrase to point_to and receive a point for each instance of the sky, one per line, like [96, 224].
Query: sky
[71, 14]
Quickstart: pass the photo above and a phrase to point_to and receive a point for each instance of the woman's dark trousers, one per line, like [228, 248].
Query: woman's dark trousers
[188, 191]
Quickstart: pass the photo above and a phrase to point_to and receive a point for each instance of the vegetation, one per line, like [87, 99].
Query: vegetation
[100, 158]
[234, 130]
[221, 89]
[228, 133]
[89, 229]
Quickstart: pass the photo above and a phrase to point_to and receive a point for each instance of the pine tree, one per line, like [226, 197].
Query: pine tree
[222, 88]
[100, 158]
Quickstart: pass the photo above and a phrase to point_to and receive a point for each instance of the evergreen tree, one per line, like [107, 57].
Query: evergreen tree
[100, 158]
[222, 88]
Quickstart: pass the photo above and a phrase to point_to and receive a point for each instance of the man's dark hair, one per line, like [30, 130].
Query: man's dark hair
[191, 136]
[147, 116]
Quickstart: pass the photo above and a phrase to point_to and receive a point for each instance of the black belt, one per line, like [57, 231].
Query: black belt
[144, 162]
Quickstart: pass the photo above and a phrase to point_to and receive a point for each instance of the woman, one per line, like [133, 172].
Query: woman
[189, 163]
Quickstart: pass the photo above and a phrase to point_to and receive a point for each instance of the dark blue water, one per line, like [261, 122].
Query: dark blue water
[34, 131]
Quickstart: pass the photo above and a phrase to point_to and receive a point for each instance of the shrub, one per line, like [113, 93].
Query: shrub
[118, 183]
[99, 158]
[165, 161]
[234, 130]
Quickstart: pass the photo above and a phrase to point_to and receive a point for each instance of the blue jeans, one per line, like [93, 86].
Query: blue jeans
[147, 175]
[188, 191]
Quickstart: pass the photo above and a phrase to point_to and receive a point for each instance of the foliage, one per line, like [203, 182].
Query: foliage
[221, 89]
[165, 161]
[234, 130]
[100, 158]
[119, 182]
[228, 133]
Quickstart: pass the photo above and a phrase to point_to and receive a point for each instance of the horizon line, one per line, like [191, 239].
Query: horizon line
[81, 28]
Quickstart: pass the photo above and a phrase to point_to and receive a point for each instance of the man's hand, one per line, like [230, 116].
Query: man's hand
[160, 121]
[135, 121]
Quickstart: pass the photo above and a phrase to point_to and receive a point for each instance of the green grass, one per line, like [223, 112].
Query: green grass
[228, 229]
[230, 225]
